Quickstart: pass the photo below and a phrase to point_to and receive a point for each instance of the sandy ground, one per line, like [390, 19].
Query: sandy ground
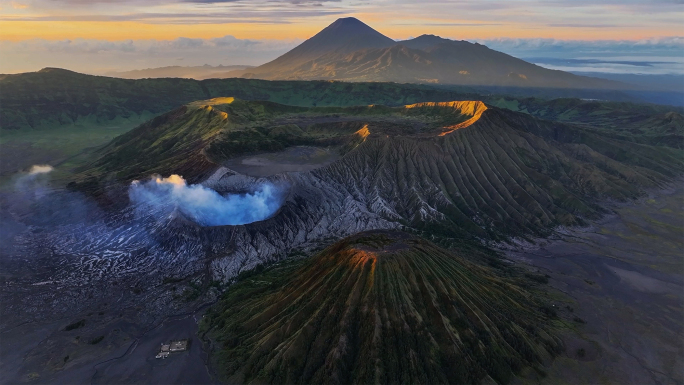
[28, 354]
[298, 158]
[139, 365]
[624, 277]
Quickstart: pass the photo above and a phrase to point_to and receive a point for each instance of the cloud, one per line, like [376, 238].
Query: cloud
[249, 17]
[591, 62]
[149, 46]
[296, 2]
[657, 55]
[203, 205]
[449, 24]
[232, 41]
[101, 56]
[670, 44]
[178, 11]
[582, 25]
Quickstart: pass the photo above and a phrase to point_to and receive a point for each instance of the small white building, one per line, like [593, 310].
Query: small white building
[172, 347]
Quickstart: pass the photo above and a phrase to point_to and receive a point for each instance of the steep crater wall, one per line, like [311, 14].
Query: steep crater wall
[505, 174]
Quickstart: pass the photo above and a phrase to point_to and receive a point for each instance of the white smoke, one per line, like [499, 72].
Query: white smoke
[40, 169]
[203, 205]
[41, 202]
[34, 182]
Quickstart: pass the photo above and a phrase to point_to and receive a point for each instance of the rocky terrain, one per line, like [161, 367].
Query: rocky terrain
[380, 307]
[465, 174]
[484, 174]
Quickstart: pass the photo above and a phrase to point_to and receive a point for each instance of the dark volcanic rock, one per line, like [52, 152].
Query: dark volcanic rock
[378, 307]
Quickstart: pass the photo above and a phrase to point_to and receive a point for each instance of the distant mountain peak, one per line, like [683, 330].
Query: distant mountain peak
[54, 69]
[350, 50]
[347, 21]
[425, 41]
[350, 25]
[344, 35]
[349, 28]
[429, 36]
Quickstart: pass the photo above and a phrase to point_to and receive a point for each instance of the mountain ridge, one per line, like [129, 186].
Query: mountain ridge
[54, 97]
[189, 72]
[434, 167]
[359, 53]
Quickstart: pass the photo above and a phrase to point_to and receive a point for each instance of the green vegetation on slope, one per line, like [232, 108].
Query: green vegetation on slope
[53, 97]
[648, 124]
[456, 170]
[193, 139]
[63, 147]
[46, 107]
[378, 307]
[169, 143]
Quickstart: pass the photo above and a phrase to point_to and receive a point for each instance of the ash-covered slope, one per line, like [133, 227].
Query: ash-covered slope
[460, 170]
[193, 139]
[505, 173]
[499, 174]
[378, 307]
[352, 51]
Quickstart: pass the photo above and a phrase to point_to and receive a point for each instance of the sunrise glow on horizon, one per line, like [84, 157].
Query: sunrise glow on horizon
[95, 36]
[72, 19]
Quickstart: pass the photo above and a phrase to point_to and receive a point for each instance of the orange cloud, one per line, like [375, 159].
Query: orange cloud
[124, 30]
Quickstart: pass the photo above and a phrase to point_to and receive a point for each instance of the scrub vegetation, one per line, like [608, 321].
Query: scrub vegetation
[378, 307]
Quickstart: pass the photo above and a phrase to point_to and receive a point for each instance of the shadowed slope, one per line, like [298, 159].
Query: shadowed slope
[378, 307]
[620, 120]
[177, 141]
[195, 138]
[344, 35]
[53, 97]
[505, 173]
[352, 51]
[171, 143]
[457, 169]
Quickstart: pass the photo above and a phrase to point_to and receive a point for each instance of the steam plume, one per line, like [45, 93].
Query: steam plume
[205, 206]
[42, 203]
[34, 183]
[40, 169]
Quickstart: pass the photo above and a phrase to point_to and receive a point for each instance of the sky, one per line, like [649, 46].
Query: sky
[95, 36]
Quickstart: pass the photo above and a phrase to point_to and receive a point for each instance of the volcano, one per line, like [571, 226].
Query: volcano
[379, 307]
[350, 50]
[459, 169]
[343, 36]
